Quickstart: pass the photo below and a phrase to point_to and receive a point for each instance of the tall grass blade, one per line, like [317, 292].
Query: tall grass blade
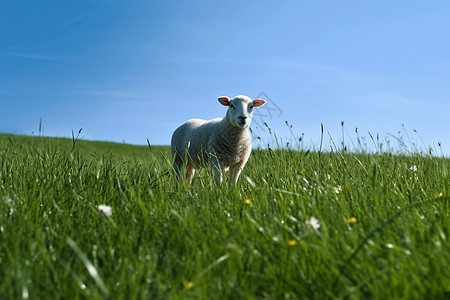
[89, 266]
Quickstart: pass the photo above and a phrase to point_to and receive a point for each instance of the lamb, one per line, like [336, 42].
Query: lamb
[224, 143]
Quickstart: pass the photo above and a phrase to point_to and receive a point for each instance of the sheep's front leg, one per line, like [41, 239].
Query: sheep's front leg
[217, 170]
[235, 171]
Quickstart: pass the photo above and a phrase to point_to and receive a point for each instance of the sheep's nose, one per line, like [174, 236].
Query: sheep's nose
[242, 118]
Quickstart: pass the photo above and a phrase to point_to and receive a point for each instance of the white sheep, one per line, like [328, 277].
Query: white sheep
[223, 142]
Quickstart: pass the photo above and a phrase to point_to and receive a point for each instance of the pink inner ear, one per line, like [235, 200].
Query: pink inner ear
[258, 102]
[224, 101]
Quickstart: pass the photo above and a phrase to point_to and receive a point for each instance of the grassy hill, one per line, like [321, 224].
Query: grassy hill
[384, 225]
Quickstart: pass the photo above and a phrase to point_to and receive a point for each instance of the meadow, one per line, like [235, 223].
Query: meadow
[300, 224]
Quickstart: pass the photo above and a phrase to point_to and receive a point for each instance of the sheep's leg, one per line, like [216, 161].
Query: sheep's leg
[178, 165]
[235, 171]
[218, 175]
[217, 171]
[225, 173]
[190, 171]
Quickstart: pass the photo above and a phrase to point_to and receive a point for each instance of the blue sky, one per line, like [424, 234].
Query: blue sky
[132, 70]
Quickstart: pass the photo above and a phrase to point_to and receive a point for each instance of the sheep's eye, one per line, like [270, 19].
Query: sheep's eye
[232, 106]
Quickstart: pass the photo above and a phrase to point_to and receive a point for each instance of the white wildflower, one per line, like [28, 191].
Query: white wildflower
[105, 209]
[313, 223]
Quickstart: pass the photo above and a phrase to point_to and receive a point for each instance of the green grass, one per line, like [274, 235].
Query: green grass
[205, 241]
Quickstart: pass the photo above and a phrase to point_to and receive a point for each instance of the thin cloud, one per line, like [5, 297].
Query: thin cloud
[304, 66]
[389, 100]
[112, 93]
[76, 20]
[36, 56]
[357, 87]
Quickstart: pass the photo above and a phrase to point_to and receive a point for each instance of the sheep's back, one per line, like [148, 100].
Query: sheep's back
[194, 136]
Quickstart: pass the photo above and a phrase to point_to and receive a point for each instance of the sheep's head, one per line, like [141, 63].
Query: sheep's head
[240, 109]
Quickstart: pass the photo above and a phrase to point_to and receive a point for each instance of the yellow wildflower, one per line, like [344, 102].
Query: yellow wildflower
[292, 243]
[247, 201]
[188, 285]
[351, 220]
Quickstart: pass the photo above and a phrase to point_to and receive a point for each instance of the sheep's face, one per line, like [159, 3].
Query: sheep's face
[240, 110]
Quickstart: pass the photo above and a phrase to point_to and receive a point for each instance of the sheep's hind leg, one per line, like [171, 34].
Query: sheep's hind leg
[190, 171]
[177, 166]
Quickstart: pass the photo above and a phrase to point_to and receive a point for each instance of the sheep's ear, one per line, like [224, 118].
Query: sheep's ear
[258, 102]
[224, 100]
